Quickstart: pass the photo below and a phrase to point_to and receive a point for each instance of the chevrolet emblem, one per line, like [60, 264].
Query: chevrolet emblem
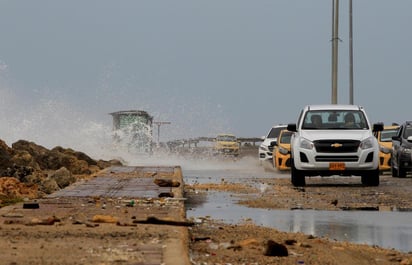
[336, 145]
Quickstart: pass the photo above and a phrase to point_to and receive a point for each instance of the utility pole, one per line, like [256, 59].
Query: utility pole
[350, 54]
[335, 41]
[159, 123]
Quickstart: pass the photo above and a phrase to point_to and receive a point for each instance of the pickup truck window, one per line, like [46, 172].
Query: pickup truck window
[334, 119]
[226, 138]
[408, 132]
[386, 135]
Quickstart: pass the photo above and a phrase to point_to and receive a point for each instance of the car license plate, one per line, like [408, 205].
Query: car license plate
[336, 166]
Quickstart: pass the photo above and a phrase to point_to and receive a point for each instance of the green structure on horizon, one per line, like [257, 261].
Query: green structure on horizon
[133, 129]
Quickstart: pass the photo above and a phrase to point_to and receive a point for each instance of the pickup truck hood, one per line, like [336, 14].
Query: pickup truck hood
[267, 141]
[335, 134]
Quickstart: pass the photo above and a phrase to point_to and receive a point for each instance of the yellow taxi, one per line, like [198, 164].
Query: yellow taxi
[226, 144]
[385, 146]
[281, 152]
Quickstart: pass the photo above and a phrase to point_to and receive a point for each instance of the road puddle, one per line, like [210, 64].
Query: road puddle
[389, 229]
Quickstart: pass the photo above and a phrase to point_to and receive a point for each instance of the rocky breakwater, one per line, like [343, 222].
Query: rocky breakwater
[30, 171]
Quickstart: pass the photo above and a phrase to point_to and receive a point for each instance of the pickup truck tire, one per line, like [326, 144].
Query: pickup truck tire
[297, 176]
[398, 172]
[394, 172]
[371, 178]
[401, 172]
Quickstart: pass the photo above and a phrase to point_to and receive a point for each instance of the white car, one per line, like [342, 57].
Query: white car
[334, 140]
[266, 147]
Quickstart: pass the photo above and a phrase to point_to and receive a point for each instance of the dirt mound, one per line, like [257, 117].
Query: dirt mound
[28, 170]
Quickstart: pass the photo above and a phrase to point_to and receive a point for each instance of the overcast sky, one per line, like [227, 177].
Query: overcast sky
[206, 66]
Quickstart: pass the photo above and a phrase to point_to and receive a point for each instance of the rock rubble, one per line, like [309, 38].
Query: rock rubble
[29, 170]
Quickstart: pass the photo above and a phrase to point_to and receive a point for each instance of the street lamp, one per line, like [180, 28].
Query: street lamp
[159, 123]
[350, 54]
[335, 41]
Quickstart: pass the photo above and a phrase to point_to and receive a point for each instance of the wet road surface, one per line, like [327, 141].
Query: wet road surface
[389, 229]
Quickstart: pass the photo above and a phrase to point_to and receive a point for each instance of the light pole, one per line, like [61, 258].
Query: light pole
[335, 41]
[159, 123]
[350, 54]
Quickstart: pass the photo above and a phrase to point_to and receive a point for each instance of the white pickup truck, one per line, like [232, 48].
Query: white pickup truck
[334, 140]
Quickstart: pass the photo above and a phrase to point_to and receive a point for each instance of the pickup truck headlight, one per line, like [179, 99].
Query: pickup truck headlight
[306, 144]
[263, 148]
[406, 150]
[367, 143]
[385, 150]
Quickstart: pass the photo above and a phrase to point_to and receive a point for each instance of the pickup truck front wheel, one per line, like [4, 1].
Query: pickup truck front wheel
[371, 178]
[297, 176]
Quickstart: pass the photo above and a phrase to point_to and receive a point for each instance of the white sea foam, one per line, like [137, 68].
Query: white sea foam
[50, 123]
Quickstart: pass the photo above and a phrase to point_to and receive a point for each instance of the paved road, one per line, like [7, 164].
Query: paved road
[338, 207]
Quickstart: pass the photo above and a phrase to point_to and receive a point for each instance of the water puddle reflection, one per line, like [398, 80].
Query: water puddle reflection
[384, 229]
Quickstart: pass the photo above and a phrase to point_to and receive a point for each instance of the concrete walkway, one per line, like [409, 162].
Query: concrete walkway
[142, 206]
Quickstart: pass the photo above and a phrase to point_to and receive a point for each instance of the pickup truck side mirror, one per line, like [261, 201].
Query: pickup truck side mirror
[377, 127]
[291, 127]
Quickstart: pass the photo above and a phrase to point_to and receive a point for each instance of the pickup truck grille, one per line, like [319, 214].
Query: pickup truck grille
[336, 158]
[336, 146]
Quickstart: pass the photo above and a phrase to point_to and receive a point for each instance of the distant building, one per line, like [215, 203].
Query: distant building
[133, 129]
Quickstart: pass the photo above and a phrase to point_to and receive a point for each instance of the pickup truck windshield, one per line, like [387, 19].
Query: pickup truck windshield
[335, 120]
[226, 138]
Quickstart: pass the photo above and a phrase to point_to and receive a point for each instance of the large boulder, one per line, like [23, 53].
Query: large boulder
[58, 159]
[19, 172]
[5, 156]
[36, 151]
[77, 154]
[24, 158]
[104, 164]
[63, 177]
[49, 186]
